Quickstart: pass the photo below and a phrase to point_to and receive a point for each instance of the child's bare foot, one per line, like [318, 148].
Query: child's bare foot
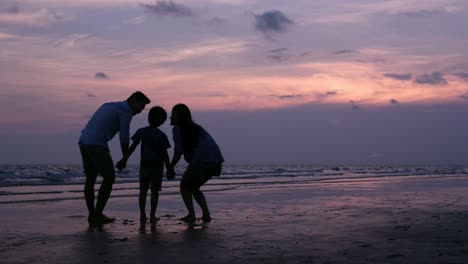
[143, 218]
[154, 219]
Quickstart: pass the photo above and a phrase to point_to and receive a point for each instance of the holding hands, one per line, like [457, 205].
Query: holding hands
[121, 164]
[170, 173]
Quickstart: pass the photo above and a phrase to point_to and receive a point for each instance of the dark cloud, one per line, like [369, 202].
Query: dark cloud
[463, 75]
[464, 96]
[278, 50]
[354, 106]
[10, 7]
[289, 96]
[101, 76]
[278, 54]
[326, 94]
[401, 77]
[435, 78]
[217, 21]
[90, 95]
[272, 21]
[168, 8]
[394, 101]
[343, 51]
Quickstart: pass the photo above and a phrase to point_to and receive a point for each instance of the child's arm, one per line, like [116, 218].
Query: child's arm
[123, 162]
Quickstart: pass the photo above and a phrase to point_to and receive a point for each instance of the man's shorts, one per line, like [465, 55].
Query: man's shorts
[97, 160]
[198, 174]
[151, 177]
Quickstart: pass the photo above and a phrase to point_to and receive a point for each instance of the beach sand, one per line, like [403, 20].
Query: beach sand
[419, 219]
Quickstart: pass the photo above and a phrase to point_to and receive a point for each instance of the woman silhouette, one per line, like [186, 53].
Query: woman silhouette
[203, 156]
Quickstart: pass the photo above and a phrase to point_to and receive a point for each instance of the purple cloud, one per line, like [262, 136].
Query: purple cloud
[168, 8]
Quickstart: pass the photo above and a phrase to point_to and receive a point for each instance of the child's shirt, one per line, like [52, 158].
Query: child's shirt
[153, 143]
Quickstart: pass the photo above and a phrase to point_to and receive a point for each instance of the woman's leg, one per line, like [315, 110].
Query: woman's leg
[201, 200]
[187, 193]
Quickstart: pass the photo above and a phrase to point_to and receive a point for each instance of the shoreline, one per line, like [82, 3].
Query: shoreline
[398, 221]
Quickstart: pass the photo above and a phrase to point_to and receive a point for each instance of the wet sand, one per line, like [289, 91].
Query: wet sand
[376, 220]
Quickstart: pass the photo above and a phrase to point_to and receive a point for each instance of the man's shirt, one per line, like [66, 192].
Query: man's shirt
[109, 119]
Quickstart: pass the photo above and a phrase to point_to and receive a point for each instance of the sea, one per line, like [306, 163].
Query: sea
[46, 183]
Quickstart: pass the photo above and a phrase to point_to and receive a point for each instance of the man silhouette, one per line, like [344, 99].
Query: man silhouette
[109, 119]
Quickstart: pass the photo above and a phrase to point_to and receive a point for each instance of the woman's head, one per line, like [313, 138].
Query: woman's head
[189, 130]
[181, 115]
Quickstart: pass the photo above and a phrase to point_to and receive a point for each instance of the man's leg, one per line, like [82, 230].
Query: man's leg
[91, 175]
[104, 193]
[89, 193]
[105, 166]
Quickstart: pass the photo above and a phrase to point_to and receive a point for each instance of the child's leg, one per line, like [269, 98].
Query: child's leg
[142, 202]
[144, 187]
[154, 204]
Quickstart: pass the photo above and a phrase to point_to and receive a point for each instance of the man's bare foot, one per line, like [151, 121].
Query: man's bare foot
[206, 218]
[188, 219]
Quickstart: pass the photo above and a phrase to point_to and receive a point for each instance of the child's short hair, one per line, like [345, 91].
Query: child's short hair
[157, 116]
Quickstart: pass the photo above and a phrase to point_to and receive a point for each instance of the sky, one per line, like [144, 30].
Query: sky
[274, 81]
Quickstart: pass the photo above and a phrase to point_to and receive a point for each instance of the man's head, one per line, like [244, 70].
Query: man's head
[137, 102]
[157, 116]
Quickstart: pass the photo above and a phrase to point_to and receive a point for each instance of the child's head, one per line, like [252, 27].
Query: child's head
[157, 116]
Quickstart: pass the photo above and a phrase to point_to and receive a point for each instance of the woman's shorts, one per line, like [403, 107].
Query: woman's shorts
[198, 174]
[151, 177]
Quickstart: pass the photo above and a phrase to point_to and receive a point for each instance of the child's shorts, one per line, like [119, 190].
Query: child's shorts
[151, 177]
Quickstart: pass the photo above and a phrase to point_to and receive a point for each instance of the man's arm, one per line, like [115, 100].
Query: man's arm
[124, 131]
[124, 148]
[126, 153]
